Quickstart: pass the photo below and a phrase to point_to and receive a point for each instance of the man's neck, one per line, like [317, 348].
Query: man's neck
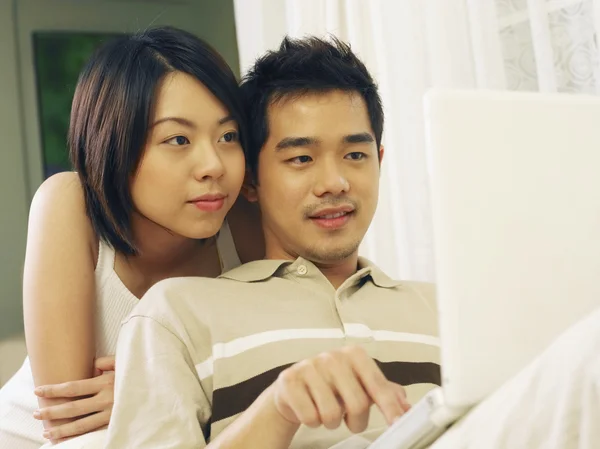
[336, 271]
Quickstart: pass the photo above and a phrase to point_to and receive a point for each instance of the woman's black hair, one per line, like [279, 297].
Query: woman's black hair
[111, 114]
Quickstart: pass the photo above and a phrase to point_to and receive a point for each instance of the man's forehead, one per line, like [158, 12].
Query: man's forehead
[312, 111]
[305, 101]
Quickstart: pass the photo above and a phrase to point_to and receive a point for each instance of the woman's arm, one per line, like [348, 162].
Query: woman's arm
[59, 286]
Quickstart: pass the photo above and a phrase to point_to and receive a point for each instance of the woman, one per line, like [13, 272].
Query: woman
[154, 137]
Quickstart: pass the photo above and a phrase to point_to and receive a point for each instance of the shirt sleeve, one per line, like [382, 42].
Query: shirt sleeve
[159, 401]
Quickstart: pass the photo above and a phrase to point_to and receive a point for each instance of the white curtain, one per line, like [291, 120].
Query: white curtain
[412, 45]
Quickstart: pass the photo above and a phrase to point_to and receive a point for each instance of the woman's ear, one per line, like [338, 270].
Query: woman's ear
[249, 188]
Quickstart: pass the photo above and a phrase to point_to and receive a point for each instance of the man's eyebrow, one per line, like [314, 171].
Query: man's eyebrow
[294, 142]
[359, 138]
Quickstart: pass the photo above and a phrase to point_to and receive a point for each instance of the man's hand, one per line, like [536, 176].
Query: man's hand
[90, 403]
[337, 385]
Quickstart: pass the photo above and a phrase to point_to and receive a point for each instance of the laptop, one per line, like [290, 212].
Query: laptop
[516, 209]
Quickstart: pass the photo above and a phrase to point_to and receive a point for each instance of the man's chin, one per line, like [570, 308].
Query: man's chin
[331, 254]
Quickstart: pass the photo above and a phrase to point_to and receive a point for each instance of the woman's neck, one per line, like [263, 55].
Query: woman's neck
[158, 246]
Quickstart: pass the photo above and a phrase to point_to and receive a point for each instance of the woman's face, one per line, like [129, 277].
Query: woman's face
[192, 165]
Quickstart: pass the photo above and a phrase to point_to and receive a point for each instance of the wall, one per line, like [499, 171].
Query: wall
[13, 193]
[20, 157]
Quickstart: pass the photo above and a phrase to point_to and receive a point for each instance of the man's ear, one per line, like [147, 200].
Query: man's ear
[249, 188]
[381, 153]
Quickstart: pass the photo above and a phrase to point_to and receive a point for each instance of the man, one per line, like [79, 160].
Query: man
[293, 350]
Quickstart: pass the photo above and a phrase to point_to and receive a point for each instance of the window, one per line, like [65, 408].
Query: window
[59, 57]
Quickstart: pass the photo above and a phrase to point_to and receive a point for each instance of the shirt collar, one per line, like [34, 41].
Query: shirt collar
[378, 277]
[261, 270]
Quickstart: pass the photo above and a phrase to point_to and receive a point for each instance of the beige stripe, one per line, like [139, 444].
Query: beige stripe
[238, 346]
[256, 361]
[233, 370]
[243, 344]
[352, 330]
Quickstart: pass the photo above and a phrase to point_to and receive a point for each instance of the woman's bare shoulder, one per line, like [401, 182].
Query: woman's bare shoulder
[60, 201]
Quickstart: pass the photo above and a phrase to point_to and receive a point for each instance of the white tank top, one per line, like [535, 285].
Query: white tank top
[18, 428]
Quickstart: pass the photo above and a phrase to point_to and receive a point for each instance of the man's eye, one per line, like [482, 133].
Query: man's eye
[356, 156]
[301, 160]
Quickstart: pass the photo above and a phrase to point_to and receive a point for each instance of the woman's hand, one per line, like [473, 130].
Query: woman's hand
[90, 403]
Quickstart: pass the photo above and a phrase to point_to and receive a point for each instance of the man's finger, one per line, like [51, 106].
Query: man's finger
[71, 409]
[378, 388]
[71, 389]
[294, 400]
[324, 398]
[352, 395]
[105, 363]
[401, 394]
[79, 427]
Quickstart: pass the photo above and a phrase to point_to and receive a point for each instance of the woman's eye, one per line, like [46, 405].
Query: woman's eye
[178, 141]
[231, 136]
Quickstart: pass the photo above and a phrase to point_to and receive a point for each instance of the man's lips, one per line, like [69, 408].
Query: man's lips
[333, 218]
[332, 212]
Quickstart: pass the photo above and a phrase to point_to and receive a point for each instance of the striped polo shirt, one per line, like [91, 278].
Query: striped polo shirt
[196, 352]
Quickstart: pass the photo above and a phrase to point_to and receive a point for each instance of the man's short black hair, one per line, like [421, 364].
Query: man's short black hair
[298, 67]
[111, 113]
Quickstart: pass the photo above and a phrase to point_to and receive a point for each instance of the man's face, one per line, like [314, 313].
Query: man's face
[318, 177]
